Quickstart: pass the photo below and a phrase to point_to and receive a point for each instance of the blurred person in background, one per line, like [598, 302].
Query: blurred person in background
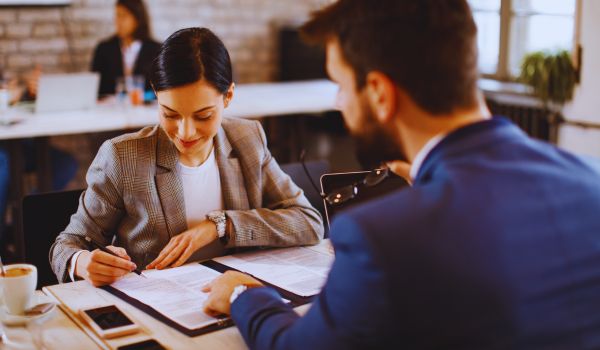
[130, 51]
[64, 165]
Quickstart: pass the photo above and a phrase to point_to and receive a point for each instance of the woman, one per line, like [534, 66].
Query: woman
[130, 51]
[189, 188]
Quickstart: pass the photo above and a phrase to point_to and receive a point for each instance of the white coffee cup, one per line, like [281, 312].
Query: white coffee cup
[18, 292]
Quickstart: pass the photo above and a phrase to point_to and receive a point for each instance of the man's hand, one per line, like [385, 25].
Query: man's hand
[220, 290]
[101, 268]
[400, 168]
[182, 246]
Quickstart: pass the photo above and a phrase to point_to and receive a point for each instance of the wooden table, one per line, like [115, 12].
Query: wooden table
[58, 332]
[62, 332]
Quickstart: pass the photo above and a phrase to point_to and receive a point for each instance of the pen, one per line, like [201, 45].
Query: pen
[104, 249]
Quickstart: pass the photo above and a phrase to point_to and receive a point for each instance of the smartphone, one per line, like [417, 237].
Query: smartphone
[149, 344]
[109, 321]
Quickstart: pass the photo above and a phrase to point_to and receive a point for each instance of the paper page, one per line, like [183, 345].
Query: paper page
[175, 293]
[302, 271]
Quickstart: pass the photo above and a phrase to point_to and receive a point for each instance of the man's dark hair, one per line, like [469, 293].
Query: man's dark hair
[139, 12]
[190, 55]
[427, 47]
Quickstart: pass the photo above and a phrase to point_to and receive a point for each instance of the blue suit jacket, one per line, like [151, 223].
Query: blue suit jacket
[496, 246]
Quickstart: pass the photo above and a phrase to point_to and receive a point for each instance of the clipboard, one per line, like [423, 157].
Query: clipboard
[219, 324]
[294, 299]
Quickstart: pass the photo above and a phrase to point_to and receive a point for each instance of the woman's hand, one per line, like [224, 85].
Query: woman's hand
[101, 268]
[182, 246]
[220, 290]
[32, 81]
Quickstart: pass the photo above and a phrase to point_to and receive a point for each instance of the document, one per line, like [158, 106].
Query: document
[175, 293]
[300, 270]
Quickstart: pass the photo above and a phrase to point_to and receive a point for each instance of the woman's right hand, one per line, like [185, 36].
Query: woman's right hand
[101, 268]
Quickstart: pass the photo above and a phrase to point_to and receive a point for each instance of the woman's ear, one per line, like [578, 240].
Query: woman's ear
[381, 94]
[229, 95]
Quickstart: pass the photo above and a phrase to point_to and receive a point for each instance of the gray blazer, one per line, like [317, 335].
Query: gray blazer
[135, 199]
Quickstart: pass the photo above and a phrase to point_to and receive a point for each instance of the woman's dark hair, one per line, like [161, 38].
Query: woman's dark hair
[428, 47]
[190, 55]
[138, 10]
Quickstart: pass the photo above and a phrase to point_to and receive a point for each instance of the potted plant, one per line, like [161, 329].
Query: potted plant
[552, 77]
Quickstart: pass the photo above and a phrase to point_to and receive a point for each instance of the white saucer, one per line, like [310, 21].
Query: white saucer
[22, 320]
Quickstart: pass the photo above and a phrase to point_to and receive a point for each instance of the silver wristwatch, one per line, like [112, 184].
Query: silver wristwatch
[218, 217]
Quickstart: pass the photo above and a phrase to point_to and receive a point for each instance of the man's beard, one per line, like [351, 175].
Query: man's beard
[374, 144]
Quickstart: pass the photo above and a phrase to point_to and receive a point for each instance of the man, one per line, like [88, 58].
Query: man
[495, 246]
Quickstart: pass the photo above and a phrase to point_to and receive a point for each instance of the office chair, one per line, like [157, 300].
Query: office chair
[316, 168]
[45, 215]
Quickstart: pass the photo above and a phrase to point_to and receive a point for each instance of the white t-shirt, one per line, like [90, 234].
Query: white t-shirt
[130, 54]
[201, 189]
[202, 194]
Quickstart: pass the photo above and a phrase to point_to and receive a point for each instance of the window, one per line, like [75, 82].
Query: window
[510, 29]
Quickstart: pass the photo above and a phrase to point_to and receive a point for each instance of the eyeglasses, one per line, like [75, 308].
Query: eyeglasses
[346, 193]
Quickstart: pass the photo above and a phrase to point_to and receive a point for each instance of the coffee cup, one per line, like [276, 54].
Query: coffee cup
[17, 285]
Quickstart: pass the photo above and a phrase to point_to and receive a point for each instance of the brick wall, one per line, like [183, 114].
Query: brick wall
[62, 39]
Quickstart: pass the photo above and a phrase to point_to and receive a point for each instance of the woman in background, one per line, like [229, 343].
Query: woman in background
[129, 51]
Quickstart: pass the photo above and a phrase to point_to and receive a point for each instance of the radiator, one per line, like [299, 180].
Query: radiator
[529, 115]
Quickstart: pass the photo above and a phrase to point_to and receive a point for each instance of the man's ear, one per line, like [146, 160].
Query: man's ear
[229, 95]
[382, 96]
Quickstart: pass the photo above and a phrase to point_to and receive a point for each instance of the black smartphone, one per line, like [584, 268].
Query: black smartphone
[109, 321]
[149, 344]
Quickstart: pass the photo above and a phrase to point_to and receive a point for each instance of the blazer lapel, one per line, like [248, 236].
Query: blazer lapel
[230, 173]
[168, 185]
[116, 52]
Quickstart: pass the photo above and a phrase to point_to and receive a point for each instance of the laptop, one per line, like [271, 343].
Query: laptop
[334, 181]
[66, 92]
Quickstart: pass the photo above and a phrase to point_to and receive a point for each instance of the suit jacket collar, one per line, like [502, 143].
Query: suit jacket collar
[167, 155]
[233, 187]
[468, 138]
[222, 145]
[168, 184]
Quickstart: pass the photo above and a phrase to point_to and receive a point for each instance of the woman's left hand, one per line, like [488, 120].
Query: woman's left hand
[182, 246]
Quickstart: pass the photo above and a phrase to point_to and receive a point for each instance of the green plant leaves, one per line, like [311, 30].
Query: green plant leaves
[551, 75]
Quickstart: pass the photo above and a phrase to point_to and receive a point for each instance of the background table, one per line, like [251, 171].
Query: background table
[249, 101]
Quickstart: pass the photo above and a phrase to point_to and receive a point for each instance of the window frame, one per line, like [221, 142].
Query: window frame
[506, 16]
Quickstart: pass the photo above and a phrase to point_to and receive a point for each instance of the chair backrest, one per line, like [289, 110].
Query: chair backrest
[45, 215]
[316, 168]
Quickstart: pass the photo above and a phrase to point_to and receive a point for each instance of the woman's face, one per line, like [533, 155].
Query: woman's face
[191, 115]
[125, 22]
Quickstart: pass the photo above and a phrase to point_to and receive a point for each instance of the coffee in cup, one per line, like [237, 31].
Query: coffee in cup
[18, 287]
[16, 272]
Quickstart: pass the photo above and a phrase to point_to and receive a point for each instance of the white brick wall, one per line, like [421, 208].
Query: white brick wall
[63, 38]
